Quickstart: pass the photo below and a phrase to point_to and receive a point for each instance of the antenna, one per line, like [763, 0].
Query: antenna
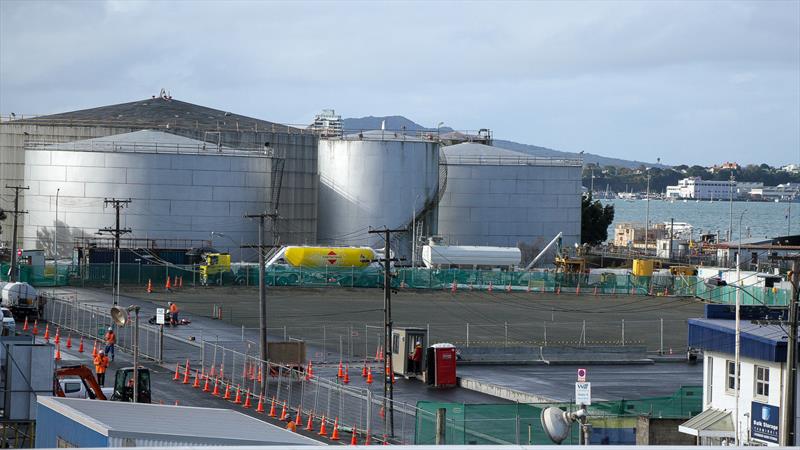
[557, 423]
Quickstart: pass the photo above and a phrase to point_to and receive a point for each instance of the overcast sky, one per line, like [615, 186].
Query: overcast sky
[689, 82]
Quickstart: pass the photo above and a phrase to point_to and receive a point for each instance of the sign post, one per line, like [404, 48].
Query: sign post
[583, 393]
[581, 375]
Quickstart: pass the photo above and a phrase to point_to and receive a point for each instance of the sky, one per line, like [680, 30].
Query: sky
[698, 82]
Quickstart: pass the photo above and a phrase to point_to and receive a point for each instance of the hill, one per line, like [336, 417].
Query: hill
[354, 124]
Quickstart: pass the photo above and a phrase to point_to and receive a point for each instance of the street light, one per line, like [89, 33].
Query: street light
[55, 246]
[414, 232]
[217, 233]
[121, 317]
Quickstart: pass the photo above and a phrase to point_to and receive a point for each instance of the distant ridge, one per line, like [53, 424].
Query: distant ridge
[354, 124]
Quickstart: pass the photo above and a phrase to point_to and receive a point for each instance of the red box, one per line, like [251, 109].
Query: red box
[444, 362]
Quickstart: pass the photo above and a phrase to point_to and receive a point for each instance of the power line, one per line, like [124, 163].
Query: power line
[13, 271]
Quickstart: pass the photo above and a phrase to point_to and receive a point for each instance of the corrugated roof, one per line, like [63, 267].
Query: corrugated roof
[174, 423]
[156, 113]
[709, 423]
[764, 342]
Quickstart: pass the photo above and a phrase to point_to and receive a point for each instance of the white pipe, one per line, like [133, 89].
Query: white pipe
[547, 247]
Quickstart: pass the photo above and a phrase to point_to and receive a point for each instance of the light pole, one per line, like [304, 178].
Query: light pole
[438, 127]
[730, 201]
[647, 214]
[414, 232]
[55, 246]
[217, 233]
[121, 317]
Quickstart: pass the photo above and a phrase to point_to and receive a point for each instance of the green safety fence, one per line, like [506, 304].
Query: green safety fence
[612, 422]
[420, 278]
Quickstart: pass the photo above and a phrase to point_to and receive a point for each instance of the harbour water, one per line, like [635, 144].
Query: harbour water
[761, 219]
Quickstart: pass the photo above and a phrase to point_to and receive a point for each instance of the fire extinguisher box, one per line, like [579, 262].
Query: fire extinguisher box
[441, 365]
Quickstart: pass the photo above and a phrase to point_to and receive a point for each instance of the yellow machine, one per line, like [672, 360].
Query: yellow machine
[329, 256]
[643, 267]
[215, 264]
[687, 271]
[567, 264]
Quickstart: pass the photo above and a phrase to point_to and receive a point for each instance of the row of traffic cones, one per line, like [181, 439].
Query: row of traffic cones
[170, 284]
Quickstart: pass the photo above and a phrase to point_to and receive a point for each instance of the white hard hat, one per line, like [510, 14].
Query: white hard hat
[109, 329]
[101, 352]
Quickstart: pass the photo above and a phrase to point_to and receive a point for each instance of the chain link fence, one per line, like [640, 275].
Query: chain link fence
[81, 320]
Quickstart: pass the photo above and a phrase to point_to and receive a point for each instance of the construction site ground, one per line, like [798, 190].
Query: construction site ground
[305, 311]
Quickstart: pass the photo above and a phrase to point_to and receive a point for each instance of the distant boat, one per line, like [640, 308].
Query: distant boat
[684, 200]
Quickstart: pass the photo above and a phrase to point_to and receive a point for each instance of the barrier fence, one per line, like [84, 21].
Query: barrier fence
[77, 320]
[540, 281]
[613, 422]
[316, 395]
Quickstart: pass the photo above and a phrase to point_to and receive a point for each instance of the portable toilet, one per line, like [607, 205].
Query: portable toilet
[404, 339]
[441, 365]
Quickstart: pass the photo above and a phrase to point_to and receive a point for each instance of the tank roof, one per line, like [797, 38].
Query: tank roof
[158, 112]
[473, 153]
[385, 135]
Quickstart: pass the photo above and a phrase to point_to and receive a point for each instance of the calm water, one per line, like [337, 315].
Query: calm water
[760, 219]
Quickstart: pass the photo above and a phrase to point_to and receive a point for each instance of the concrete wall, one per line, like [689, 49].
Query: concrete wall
[298, 223]
[504, 205]
[655, 431]
[373, 183]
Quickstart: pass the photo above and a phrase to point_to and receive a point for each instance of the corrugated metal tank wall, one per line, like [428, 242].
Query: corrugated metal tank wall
[374, 183]
[298, 211]
[503, 202]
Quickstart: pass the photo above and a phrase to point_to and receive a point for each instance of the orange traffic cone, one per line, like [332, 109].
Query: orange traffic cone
[227, 395]
[47, 333]
[491, 288]
[213, 371]
[346, 377]
[340, 373]
[69, 340]
[364, 370]
[335, 432]
[297, 419]
[380, 355]
[272, 412]
[58, 353]
[391, 374]
[215, 392]
[310, 423]
[80, 346]
[94, 349]
[168, 286]
[180, 282]
[508, 288]
[25, 325]
[382, 412]
[367, 437]
[186, 375]
[177, 375]
[385, 440]
[35, 327]
[369, 375]
[196, 383]
[238, 399]
[57, 339]
[578, 289]
[175, 284]
[558, 289]
[205, 387]
[176, 402]
[595, 290]
[322, 430]
[454, 288]
[666, 291]
[354, 437]
[284, 415]
[260, 405]
[149, 286]
[247, 403]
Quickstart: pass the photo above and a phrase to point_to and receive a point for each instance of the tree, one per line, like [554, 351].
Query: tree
[595, 220]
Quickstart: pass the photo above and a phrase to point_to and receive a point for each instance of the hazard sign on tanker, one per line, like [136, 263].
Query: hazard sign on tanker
[329, 256]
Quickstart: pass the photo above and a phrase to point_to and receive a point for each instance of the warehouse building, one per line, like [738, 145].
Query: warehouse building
[71, 422]
[189, 170]
[504, 198]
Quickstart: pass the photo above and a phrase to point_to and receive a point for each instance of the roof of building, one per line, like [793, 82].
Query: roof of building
[709, 423]
[764, 342]
[756, 242]
[159, 112]
[211, 426]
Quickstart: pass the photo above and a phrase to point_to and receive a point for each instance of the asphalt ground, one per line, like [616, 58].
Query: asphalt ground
[323, 316]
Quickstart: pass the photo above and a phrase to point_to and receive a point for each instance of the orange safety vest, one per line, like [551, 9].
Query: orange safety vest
[173, 308]
[100, 363]
[111, 338]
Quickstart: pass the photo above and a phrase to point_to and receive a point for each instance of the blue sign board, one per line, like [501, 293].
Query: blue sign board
[764, 420]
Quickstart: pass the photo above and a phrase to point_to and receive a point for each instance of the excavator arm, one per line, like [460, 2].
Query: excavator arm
[85, 374]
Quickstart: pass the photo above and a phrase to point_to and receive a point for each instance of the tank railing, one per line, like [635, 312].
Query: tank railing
[92, 145]
[513, 161]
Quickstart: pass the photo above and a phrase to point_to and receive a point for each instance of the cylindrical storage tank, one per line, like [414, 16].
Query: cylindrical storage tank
[329, 256]
[434, 256]
[504, 198]
[375, 179]
[180, 191]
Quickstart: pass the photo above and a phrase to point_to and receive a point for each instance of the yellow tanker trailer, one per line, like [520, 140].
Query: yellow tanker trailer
[323, 266]
[318, 257]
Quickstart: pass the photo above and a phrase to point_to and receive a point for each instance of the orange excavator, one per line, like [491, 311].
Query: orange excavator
[79, 381]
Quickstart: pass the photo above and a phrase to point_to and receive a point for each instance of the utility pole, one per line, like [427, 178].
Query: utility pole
[647, 216]
[262, 297]
[13, 271]
[388, 391]
[789, 406]
[730, 201]
[117, 204]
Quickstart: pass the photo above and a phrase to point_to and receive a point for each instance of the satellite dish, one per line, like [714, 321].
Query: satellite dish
[119, 315]
[556, 424]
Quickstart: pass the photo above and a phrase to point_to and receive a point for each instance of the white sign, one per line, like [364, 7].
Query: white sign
[581, 375]
[160, 316]
[583, 393]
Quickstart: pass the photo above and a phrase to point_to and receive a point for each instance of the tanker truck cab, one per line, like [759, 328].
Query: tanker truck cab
[214, 265]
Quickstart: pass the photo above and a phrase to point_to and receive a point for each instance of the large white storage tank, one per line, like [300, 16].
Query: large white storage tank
[503, 198]
[180, 188]
[376, 179]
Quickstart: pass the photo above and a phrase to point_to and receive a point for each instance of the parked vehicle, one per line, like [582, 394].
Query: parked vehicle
[9, 324]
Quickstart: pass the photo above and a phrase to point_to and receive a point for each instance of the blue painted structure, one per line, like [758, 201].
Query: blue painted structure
[52, 425]
[764, 342]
